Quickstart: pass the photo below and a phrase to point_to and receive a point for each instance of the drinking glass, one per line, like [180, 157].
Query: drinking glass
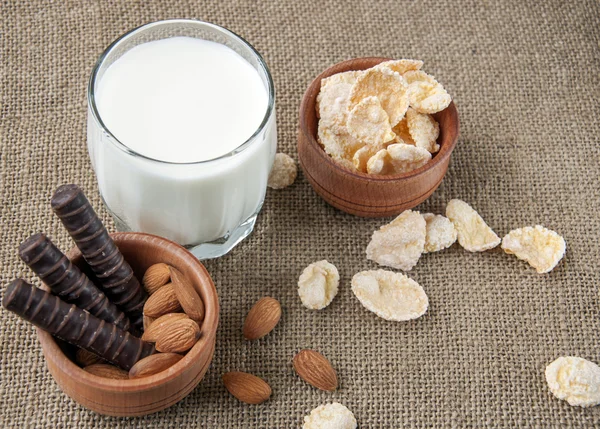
[207, 206]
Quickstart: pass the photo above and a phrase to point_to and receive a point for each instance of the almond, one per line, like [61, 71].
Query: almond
[315, 369]
[160, 325]
[262, 318]
[187, 296]
[85, 358]
[178, 337]
[156, 277]
[107, 371]
[147, 321]
[161, 302]
[153, 364]
[246, 387]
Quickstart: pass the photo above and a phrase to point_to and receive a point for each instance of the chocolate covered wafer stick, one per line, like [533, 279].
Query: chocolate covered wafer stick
[74, 325]
[67, 281]
[100, 252]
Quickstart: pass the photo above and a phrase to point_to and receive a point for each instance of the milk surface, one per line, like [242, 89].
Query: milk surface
[181, 99]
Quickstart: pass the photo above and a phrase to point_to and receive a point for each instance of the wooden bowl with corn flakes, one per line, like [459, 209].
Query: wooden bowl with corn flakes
[376, 135]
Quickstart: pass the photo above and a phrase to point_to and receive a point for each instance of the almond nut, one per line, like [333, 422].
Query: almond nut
[262, 318]
[178, 337]
[246, 387]
[156, 277]
[153, 364]
[85, 358]
[147, 321]
[107, 371]
[161, 324]
[161, 302]
[315, 369]
[187, 296]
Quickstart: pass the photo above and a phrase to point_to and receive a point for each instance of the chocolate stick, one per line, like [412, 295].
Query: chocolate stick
[100, 252]
[74, 325]
[67, 281]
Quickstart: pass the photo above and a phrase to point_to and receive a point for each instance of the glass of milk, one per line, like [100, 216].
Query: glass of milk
[182, 133]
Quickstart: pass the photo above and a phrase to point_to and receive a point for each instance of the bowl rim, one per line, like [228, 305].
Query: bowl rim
[53, 352]
[347, 65]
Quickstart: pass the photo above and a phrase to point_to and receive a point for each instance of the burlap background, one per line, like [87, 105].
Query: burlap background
[525, 78]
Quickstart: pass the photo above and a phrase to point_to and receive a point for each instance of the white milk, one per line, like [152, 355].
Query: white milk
[182, 100]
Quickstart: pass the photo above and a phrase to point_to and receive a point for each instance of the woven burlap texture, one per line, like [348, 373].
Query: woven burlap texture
[525, 78]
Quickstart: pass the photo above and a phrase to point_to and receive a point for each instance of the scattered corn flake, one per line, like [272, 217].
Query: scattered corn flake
[369, 123]
[388, 86]
[423, 129]
[338, 143]
[391, 296]
[402, 132]
[540, 247]
[574, 380]
[473, 233]
[426, 94]
[318, 285]
[330, 416]
[400, 243]
[283, 173]
[401, 66]
[440, 234]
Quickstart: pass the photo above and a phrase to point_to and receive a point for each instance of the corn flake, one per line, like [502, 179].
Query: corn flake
[361, 157]
[369, 123]
[406, 158]
[423, 129]
[440, 233]
[318, 285]
[343, 77]
[540, 247]
[473, 233]
[401, 66]
[338, 143]
[330, 416]
[283, 173]
[426, 94]
[574, 380]
[400, 243]
[333, 99]
[402, 132]
[391, 296]
[397, 158]
[388, 86]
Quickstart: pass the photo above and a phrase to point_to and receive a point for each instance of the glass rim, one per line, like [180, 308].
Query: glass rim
[120, 145]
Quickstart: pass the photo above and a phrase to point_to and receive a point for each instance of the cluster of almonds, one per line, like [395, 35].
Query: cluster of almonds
[173, 315]
[378, 121]
[310, 365]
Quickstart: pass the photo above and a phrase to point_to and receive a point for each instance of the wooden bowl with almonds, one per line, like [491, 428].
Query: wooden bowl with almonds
[145, 395]
[360, 193]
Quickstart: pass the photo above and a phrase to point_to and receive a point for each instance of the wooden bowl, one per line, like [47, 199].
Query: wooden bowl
[359, 193]
[149, 394]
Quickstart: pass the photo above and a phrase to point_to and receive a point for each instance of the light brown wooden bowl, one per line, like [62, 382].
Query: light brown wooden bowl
[359, 193]
[149, 394]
